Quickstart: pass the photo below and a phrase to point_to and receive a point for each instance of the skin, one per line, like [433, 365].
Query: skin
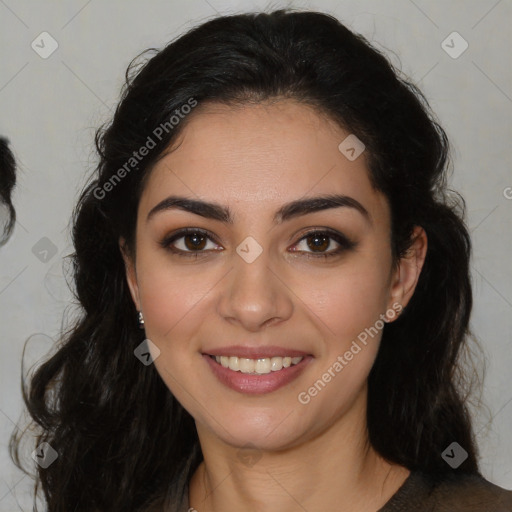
[254, 159]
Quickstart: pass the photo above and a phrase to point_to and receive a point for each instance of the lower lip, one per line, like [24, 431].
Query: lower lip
[256, 384]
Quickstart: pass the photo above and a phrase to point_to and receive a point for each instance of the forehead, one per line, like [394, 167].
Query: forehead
[259, 155]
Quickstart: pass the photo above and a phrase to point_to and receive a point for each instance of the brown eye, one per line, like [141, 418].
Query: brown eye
[318, 242]
[189, 242]
[197, 241]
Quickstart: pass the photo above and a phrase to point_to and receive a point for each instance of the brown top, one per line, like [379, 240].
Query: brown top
[456, 492]
[421, 492]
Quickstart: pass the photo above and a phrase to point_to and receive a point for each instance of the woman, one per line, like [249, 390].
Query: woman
[275, 290]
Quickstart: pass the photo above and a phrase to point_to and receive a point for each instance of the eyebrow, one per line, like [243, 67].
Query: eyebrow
[215, 211]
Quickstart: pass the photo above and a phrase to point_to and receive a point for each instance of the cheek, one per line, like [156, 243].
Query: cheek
[347, 300]
[349, 304]
[172, 297]
[174, 302]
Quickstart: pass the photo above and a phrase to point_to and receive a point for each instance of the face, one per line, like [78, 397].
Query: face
[263, 276]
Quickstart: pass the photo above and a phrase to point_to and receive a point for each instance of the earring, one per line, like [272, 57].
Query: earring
[141, 320]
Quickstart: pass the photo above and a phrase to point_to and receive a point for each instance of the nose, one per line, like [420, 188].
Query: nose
[255, 295]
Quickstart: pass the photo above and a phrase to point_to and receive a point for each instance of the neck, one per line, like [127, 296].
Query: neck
[336, 470]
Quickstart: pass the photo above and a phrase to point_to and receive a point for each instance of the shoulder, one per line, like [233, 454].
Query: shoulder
[452, 492]
[471, 493]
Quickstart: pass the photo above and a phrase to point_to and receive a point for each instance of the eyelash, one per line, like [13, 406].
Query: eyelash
[343, 241]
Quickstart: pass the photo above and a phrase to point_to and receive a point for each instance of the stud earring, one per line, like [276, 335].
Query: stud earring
[141, 320]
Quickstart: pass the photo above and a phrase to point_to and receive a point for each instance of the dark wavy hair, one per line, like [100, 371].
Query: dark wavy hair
[7, 183]
[120, 434]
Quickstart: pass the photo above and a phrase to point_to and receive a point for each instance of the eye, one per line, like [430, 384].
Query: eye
[320, 240]
[194, 242]
[191, 242]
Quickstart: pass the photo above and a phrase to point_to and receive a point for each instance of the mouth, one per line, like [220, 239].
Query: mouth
[257, 375]
[258, 366]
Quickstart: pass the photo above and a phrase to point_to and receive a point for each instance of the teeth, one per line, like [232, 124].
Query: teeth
[257, 366]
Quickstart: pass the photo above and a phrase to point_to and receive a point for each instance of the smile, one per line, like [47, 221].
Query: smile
[258, 366]
[256, 376]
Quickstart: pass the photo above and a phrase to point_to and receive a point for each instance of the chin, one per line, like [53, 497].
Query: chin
[267, 431]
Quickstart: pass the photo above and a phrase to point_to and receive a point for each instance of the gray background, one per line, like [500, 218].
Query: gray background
[50, 108]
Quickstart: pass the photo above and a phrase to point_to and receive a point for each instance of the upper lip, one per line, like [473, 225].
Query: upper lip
[260, 352]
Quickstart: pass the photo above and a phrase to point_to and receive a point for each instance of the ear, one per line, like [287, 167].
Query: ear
[406, 276]
[131, 276]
